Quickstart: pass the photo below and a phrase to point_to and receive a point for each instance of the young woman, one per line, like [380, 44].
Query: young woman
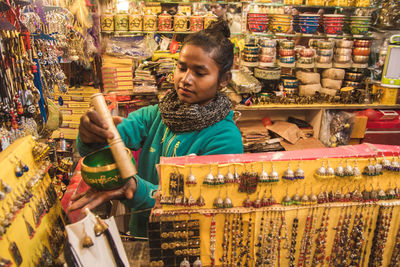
[193, 118]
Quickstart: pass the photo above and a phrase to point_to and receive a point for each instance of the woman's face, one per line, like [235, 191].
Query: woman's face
[196, 76]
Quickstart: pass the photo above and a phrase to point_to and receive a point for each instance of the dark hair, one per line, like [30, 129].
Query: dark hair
[215, 40]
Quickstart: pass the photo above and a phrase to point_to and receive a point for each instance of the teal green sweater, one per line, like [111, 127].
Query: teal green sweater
[145, 129]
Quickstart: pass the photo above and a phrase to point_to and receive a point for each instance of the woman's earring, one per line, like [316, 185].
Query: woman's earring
[191, 179]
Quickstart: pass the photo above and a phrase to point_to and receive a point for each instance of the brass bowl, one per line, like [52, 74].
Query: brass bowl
[360, 59]
[100, 171]
[354, 76]
[322, 44]
[343, 51]
[362, 43]
[361, 51]
[342, 58]
[324, 59]
[344, 43]
[351, 84]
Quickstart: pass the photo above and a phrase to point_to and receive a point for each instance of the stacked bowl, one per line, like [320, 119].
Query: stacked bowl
[343, 51]
[267, 52]
[280, 23]
[287, 52]
[257, 22]
[325, 51]
[333, 24]
[361, 51]
[308, 23]
[359, 24]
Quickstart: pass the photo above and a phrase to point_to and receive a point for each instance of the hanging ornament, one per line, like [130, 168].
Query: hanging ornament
[15, 253]
[330, 172]
[220, 179]
[209, 180]
[5, 187]
[395, 165]
[289, 174]
[299, 173]
[265, 199]
[339, 171]
[191, 200]
[296, 198]
[228, 202]
[236, 175]
[369, 170]
[264, 177]
[212, 240]
[348, 170]
[378, 167]
[386, 164]
[197, 263]
[200, 200]
[229, 178]
[191, 179]
[247, 202]
[274, 176]
[321, 171]
[356, 171]
[257, 203]
[18, 170]
[287, 201]
[184, 263]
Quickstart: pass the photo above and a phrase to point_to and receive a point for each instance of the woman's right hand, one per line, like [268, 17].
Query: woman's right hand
[93, 128]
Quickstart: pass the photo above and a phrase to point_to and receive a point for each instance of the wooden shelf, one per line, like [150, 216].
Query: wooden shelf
[313, 107]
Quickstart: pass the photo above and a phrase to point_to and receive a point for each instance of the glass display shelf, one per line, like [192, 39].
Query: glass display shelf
[314, 106]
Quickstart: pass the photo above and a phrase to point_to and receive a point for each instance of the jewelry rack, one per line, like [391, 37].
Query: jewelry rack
[325, 202]
[31, 218]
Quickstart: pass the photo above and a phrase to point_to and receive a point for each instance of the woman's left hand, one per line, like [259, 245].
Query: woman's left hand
[93, 198]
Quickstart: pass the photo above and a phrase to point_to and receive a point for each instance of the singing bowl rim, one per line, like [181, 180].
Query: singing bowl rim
[104, 168]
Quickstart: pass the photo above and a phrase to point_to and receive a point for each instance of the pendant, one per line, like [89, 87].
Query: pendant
[299, 173]
[264, 177]
[210, 180]
[339, 171]
[29, 228]
[289, 174]
[191, 179]
[274, 176]
[200, 201]
[220, 179]
[229, 178]
[348, 171]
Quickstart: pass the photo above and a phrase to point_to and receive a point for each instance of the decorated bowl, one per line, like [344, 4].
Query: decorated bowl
[305, 60]
[359, 29]
[100, 171]
[342, 58]
[354, 76]
[271, 51]
[257, 27]
[324, 59]
[360, 59]
[351, 84]
[288, 60]
[279, 27]
[325, 52]
[267, 74]
[325, 44]
[289, 82]
[250, 57]
[341, 43]
[249, 49]
[343, 51]
[307, 52]
[361, 51]
[310, 29]
[333, 28]
[286, 52]
[265, 42]
[287, 44]
[362, 43]
[267, 58]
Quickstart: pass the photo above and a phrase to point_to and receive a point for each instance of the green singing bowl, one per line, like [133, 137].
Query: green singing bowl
[100, 171]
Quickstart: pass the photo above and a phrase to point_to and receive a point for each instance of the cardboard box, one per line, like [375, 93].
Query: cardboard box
[390, 95]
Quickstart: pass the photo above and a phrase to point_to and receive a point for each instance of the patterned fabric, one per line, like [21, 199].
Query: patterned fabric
[181, 117]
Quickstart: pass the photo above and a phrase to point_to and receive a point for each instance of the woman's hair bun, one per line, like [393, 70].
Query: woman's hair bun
[219, 26]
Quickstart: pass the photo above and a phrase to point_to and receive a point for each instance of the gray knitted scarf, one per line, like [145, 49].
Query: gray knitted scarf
[181, 117]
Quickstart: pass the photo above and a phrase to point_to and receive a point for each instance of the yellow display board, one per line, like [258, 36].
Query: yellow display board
[29, 248]
[337, 210]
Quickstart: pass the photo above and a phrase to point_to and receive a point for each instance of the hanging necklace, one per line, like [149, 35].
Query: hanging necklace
[293, 240]
[320, 241]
